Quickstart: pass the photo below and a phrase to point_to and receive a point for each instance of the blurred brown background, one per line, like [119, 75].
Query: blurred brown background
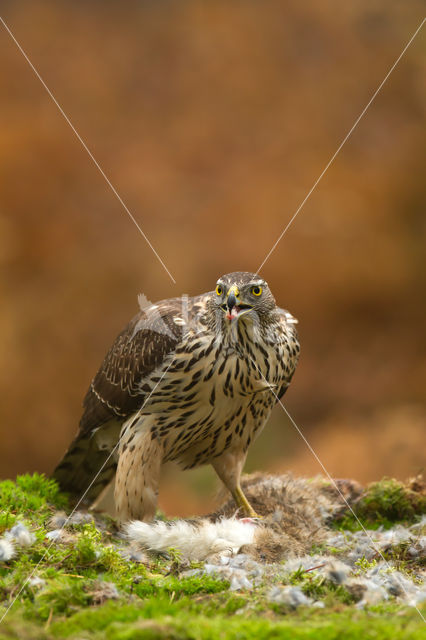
[213, 120]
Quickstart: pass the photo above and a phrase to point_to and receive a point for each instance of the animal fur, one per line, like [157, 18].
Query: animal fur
[295, 512]
[194, 540]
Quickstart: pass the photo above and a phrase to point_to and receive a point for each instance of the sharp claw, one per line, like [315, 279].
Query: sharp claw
[244, 504]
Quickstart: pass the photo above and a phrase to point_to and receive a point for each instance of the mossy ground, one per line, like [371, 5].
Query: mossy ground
[385, 504]
[155, 601]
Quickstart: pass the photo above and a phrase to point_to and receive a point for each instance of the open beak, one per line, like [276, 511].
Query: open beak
[233, 306]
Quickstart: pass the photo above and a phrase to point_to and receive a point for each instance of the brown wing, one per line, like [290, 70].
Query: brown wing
[117, 390]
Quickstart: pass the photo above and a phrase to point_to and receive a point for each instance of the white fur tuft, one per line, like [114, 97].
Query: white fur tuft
[7, 550]
[194, 541]
[20, 535]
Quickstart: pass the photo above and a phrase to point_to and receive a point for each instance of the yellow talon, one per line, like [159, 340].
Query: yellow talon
[244, 504]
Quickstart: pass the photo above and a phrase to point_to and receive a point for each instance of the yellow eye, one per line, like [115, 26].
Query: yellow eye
[219, 290]
[256, 291]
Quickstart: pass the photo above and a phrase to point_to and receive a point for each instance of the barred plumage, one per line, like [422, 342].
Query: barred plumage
[191, 380]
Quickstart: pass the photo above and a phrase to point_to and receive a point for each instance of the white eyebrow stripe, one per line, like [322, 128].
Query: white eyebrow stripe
[258, 283]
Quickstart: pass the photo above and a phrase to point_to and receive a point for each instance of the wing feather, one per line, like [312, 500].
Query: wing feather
[117, 389]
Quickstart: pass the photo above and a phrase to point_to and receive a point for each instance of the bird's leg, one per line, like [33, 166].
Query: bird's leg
[243, 503]
[136, 484]
[228, 467]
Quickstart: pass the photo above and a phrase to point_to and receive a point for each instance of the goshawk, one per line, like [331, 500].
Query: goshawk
[191, 380]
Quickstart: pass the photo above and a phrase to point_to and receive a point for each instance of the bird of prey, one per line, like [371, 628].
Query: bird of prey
[191, 380]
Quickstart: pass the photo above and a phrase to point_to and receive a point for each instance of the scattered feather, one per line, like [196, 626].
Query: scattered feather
[56, 535]
[60, 535]
[241, 571]
[58, 520]
[103, 591]
[20, 535]
[80, 517]
[291, 596]
[7, 550]
[36, 582]
[133, 553]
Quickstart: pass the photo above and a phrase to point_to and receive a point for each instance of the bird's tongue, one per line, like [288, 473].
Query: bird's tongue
[233, 313]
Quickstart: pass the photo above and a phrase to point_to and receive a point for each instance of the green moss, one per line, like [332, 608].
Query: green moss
[316, 586]
[117, 621]
[13, 628]
[62, 596]
[156, 601]
[33, 496]
[160, 586]
[130, 622]
[364, 565]
[391, 500]
[385, 503]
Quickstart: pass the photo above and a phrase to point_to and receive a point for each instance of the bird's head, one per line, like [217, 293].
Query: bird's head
[241, 295]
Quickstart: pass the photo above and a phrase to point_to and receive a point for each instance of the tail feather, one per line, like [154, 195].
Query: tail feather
[85, 470]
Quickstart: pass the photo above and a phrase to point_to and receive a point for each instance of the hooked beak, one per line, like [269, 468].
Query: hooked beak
[233, 306]
[231, 301]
